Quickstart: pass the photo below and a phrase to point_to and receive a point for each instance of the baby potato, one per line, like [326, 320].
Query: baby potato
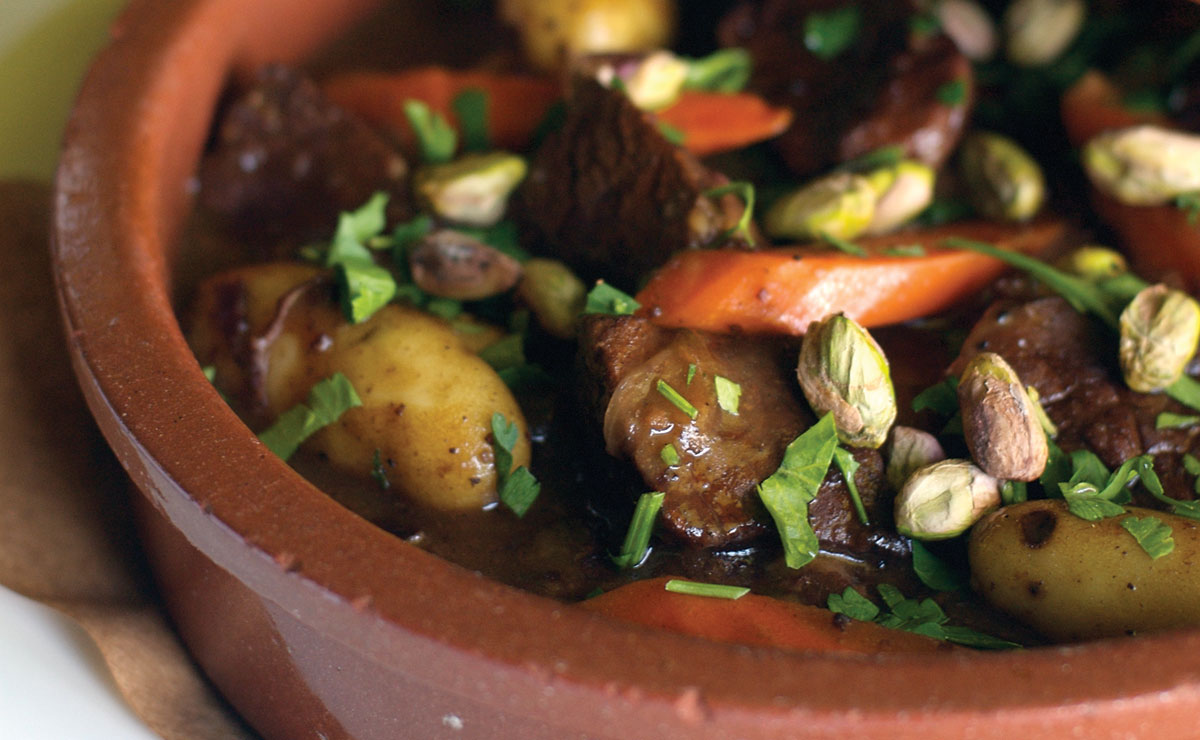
[427, 399]
[554, 31]
[1073, 579]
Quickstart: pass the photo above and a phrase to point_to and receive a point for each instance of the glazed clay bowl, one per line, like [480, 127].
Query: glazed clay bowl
[316, 624]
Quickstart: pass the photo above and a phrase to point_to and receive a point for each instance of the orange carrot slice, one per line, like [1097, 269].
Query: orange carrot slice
[783, 290]
[709, 122]
[753, 620]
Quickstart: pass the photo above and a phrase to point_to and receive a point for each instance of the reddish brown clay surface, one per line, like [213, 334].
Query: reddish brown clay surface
[316, 624]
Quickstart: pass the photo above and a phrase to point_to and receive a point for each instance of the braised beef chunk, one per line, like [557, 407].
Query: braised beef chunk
[711, 495]
[1071, 361]
[286, 161]
[611, 196]
[888, 87]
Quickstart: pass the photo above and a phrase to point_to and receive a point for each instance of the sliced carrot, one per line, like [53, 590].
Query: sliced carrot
[719, 122]
[1161, 241]
[753, 620]
[783, 290]
[517, 104]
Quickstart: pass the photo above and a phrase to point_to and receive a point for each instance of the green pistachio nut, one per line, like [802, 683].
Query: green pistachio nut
[901, 192]
[554, 294]
[1003, 182]
[909, 450]
[944, 499]
[656, 81]
[1038, 31]
[1000, 424]
[450, 264]
[1159, 331]
[969, 26]
[472, 190]
[842, 370]
[1093, 262]
[1144, 165]
[840, 205]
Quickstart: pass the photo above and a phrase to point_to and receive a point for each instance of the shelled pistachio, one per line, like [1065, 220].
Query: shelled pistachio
[472, 190]
[450, 264]
[1038, 31]
[901, 192]
[1093, 262]
[909, 450]
[1144, 165]
[1159, 331]
[554, 294]
[840, 205]
[1000, 424]
[943, 500]
[1003, 182]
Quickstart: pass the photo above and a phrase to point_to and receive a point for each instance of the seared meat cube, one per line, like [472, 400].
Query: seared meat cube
[286, 161]
[711, 491]
[612, 197]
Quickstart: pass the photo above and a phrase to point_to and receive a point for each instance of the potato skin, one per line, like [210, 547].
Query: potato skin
[1072, 579]
[427, 398]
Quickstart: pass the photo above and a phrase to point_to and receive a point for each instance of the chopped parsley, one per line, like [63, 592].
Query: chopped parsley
[723, 71]
[637, 537]
[326, 402]
[828, 34]
[518, 489]
[1153, 534]
[1013, 492]
[669, 454]
[710, 590]
[923, 617]
[849, 466]
[904, 250]
[935, 572]
[941, 398]
[676, 398]
[1168, 420]
[364, 287]
[745, 191]
[691, 373]
[793, 486]
[952, 93]
[471, 108]
[437, 139]
[604, 298]
[729, 394]
[378, 472]
[1190, 204]
[671, 134]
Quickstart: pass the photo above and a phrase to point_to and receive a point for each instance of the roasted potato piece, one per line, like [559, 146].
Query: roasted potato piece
[554, 31]
[1073, 579]
[427, 398]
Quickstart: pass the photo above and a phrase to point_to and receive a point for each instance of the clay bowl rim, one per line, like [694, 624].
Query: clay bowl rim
[120, 196]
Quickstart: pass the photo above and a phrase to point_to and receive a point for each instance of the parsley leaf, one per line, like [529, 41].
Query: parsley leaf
[724, 71]
[935, 572]
[604, 298]
[1168, 420]
[471, 108]
[849, 466]
[326, 402]
[1189, 203]
[364, 287]
[853, 604]
[789, 490]
[518, 489]
[745, 191]
[729, 394]
[711, 590]
[828, 34]
[1152, 533]
[952, 93]
[676, 398]
[437, 139]
[378, 472]
[941, 398]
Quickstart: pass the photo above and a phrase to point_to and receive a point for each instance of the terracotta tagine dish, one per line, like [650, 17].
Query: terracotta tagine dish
[333, 615]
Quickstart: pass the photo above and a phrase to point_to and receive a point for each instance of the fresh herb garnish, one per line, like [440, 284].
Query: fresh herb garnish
[710, 590]
[849, 466]
[789, 490]
[884, 156]
[745, 191]
[923, 617]
[1044, 421]
[1013, 492]
[637, 537]
[1058, 468]
[671, 134]
[1168, 420]
[676, 398]
[471, 108]
[518, 489]
[941, 398]
[1153, 486]
[904, 250]
[378, 472]
[364, 287]
[505, 353]
[952, 93]
[828, 34]
[933, 571]
[669, 454]
[691, 373]
[604, 298]
[1151, 533]
[843, 245]
[436, 138]
[326, 402]
[1084, 501]
[729, 394]
[724, 71]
